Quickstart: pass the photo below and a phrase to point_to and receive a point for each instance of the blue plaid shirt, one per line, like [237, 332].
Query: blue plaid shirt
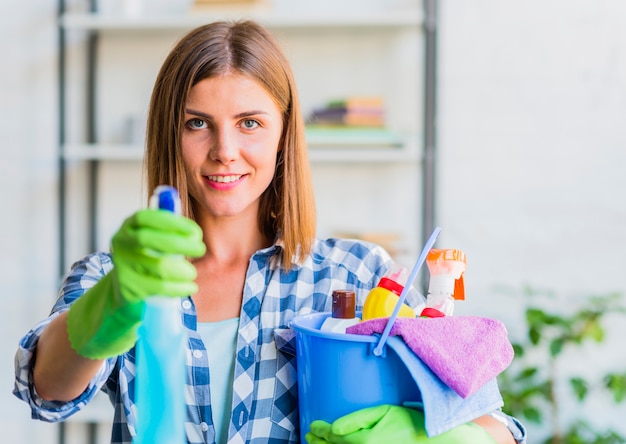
[264, 408]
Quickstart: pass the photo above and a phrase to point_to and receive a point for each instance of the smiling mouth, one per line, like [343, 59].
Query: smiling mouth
[225, 179]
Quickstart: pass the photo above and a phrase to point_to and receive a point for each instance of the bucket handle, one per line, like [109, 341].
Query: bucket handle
[378, 350]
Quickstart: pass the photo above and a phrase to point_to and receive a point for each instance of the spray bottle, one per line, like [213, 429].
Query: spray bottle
[343, 312]
[446, 284]
[161, 349]
[382, 299]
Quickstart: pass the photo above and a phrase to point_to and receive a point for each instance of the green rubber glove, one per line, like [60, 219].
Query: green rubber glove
[390, 424]
[148, 255]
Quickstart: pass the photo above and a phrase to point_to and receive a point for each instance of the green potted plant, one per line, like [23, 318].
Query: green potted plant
[529, 385]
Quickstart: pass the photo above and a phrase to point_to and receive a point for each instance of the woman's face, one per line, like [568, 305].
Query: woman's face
[229, 144]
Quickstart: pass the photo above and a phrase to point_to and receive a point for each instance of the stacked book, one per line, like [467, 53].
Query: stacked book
[352, 111]
[354, 122]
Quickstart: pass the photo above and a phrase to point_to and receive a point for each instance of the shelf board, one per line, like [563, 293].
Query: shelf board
[326, 154]
[365, 155]
[102, 152]
[271, 19]
[366, 137]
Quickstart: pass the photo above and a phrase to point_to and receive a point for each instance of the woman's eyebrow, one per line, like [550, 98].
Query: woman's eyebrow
[197, 113]
[238, 116]
[250, 113]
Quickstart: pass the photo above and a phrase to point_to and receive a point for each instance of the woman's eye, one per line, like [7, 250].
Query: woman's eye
[196, 124]
[249, 124]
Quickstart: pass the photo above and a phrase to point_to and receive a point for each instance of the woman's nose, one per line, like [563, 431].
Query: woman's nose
[224, 148]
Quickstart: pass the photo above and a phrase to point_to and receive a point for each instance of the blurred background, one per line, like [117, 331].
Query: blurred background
[502, 122]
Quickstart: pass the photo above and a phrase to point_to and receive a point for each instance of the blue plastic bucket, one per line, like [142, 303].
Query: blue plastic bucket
[338, 373]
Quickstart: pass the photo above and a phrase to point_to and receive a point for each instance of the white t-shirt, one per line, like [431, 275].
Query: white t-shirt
[220, 339]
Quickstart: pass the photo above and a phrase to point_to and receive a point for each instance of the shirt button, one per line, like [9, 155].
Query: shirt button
[186, 305]
[204, 426]
[197, 354]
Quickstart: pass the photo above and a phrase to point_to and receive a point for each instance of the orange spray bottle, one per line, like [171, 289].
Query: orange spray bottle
[446, 284]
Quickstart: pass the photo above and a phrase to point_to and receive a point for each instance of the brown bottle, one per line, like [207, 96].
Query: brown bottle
[343, 312]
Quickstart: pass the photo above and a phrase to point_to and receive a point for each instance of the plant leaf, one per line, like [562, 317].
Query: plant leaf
[595, 331]
[534, 335]
[580, 387]
[556, 347]
[532, 414]
[616, 384]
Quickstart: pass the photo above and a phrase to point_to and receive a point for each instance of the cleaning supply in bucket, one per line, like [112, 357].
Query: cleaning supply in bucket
[343, 312]
[382, 299]
[446, 284]
[160, 376]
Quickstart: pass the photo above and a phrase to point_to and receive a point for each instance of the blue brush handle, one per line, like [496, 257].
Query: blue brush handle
[378, 350]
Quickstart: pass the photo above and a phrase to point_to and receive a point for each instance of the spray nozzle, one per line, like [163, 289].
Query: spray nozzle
[446, 269]
[397, 273]
[395, 279]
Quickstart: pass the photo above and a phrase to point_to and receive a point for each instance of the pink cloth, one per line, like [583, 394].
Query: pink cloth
[465, 352]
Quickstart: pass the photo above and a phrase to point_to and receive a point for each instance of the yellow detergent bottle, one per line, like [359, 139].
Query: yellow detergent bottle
[383, 298]
[446, 284]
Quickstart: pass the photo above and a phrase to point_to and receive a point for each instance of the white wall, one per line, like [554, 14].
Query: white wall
[532, 98]
[28, 183]
[532, 152]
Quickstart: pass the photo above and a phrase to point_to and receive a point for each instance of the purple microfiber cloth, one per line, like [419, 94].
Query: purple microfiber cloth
[463, 351]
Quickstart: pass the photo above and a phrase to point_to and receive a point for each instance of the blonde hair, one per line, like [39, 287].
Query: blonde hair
[287, 207]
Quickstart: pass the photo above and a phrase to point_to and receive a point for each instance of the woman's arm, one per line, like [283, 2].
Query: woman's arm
[59, 373]
[496, 429]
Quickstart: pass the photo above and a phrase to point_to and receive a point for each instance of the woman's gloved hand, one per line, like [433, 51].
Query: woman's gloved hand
[148, 253]
[390, 424]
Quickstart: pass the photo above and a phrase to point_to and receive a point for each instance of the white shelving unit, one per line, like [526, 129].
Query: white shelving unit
[363, 186]
[375, 51]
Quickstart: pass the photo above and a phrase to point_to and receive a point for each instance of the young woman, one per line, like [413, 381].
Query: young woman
[225, 129]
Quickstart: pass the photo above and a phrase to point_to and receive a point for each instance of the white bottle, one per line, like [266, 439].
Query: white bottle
[446, 284]
[343, 312]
